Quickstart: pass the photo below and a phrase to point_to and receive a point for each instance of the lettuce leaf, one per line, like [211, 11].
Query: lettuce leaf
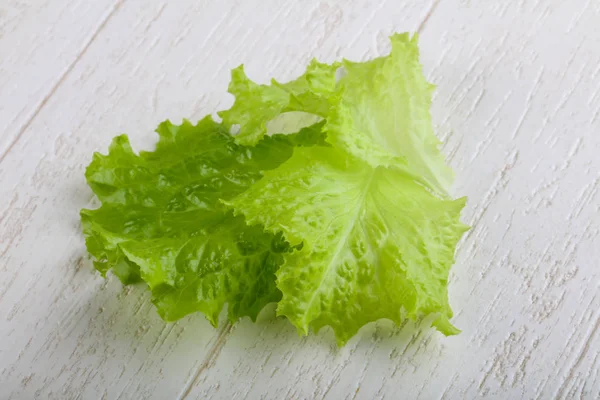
[383, 115]
[376, 243]
[345, 222]
[373, 213]
[255, 105]
[162, 221]
[378, 111]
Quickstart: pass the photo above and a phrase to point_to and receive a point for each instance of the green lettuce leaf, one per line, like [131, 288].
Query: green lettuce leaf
[382, 115]
[376, 243]
[345, 222]
[255, 105]
[379, 111]
[162, 221]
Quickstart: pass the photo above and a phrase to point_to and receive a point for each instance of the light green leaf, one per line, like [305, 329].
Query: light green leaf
[162, 221]
[382, 115]
[345, 222]
[255, 105]
[376, 244]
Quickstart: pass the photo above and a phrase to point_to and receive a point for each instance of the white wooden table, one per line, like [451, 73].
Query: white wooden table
[518, 109]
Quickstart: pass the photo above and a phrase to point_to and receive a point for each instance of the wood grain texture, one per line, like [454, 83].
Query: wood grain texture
[40, 43]
[517, 106]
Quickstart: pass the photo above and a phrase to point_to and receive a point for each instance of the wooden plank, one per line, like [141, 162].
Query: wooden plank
[517, 106]
[40, 43]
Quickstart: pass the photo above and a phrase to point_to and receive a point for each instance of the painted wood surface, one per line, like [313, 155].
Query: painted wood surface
[517, 106]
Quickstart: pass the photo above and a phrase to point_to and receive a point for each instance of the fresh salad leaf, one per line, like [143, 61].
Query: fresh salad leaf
[162, 221]
[376, 243]
[255, 105]
[344, 222]
[383, 115]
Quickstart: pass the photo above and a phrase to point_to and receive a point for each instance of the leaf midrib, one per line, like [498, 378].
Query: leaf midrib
[342, 242]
